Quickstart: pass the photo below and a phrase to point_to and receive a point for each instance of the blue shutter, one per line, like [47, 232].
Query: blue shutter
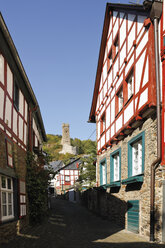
[111, 169]
[101, 176]
[133, 216]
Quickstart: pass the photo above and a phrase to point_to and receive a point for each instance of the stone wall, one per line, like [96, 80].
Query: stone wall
[137, 191]
[9, 229]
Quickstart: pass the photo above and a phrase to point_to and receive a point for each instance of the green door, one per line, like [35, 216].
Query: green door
[133, 216]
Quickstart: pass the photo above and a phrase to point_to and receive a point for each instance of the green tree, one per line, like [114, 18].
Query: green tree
[88, 171]
[37, 181]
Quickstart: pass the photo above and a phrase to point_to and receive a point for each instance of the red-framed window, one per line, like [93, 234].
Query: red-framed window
[102, 123]
[129, 86]
[110, 60]
[9, 152]
[119, 100]
[115, 47]
[16, 96]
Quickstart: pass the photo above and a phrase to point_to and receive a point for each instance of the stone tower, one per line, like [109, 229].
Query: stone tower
[65, 134]
[66, 145]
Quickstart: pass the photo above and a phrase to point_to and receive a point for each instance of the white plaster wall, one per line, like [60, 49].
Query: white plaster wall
[115, 67]
[109, 44]
[109, 79]
[140, 21]
[143, 98]
[139, 69]
[8, 112]
[130, 63]
[25, 134]
[142, 44]
[128, 113]
[108, 117]
[103, 140]
[2, 69]
[146, 72]
[123, 32]
[119, 82]
[26, 111]
[2, 102]
[131, 18]
[122, 54]
[15, 117]
[21, 103]
[131, 37]
[20, 128]
[119, 123]
[112, 110]
[115, 28]
[112, 130]
[9, 81]
[107, 135]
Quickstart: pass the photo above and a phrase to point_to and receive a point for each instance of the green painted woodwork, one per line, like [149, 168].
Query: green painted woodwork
[112, 182]
[130, 143]
[133, 216]
[103, 162]
[134, 179]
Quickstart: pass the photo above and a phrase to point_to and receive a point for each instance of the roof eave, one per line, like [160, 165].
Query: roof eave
[109, 7]
[13, 49]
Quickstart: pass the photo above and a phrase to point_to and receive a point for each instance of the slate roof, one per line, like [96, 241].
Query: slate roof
[57, 165]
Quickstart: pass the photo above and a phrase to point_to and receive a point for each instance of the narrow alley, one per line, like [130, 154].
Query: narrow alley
[71, 225]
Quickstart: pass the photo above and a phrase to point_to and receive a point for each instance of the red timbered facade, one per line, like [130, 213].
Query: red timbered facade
[67, 176]
[21, 127]
[124, 107]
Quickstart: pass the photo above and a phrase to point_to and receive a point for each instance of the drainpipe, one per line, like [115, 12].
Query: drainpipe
[155, 14]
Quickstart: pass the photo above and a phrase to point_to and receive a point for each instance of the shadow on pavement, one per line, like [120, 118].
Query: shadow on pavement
[73, 226]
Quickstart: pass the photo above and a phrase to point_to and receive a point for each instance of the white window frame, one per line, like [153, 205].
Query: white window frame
[7, 191]
[120, 99]
[137, 158]
[130, 83]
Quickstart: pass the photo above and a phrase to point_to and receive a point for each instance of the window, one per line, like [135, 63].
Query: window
[136, 155]
[116, 47]
[102, 122]
[67, 178]
[16, 96]
[103, 172]
[115, 166]
[22, 192]
[1, 69]
[119, 100]
[9, 152]
[130, 81]
[110, 60]
[7, 208]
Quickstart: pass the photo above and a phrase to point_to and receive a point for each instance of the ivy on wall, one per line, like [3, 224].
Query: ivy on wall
[37, 181]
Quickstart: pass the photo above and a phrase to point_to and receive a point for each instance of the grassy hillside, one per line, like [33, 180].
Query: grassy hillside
[53, 147]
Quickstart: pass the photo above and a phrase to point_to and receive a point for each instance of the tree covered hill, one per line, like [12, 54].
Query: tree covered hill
[53, 147]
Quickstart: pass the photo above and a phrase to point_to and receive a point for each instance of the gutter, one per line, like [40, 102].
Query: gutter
[155, 14]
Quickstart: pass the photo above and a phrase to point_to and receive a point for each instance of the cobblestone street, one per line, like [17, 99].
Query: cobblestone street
[71, 225]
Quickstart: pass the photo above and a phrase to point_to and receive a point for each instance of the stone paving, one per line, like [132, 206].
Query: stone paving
[73, 226]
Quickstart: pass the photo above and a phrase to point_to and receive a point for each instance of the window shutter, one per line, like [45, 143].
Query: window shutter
[111, 169]
[22, 198]
[101, 176]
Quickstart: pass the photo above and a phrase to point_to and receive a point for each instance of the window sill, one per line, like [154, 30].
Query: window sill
[114, 184]
[135, 179]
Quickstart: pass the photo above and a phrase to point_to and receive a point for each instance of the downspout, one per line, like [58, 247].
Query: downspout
[155, 14]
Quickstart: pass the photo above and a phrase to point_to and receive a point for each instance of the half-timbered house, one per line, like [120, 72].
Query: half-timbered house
[126, 108]
[21, 129]
[67, 176]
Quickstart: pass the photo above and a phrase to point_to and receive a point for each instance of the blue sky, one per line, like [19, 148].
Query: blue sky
[58, 42]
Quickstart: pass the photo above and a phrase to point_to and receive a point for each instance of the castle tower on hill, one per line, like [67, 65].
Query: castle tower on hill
[66, 145]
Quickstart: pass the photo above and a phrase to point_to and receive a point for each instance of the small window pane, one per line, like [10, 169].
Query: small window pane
[4, 210]
[9, 183]
[9, 198]
[3, 182]
[4, 198]
[10, 210]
